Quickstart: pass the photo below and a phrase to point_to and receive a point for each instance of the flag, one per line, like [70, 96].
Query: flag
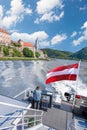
[68, 72]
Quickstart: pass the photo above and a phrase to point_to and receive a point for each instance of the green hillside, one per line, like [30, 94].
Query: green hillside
[82, 54]
[56, 53]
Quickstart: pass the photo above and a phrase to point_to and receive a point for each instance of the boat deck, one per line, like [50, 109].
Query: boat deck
[59, 116]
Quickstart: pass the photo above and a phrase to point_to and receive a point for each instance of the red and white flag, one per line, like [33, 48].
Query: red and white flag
[68, 72]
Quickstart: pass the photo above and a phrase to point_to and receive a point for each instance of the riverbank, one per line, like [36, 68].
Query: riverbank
[35, 59]
[22, 58]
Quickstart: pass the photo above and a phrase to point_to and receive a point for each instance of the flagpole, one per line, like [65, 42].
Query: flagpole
[74, 101]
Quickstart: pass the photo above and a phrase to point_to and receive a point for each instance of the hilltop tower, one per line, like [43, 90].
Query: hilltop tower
[36, 44]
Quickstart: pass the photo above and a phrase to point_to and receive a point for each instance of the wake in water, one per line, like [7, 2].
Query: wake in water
[16, 76]
[79, 86]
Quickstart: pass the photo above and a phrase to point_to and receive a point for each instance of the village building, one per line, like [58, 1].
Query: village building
[4, 37]
[26, 45]
[31, 47]
[6, 40]
[41, 54]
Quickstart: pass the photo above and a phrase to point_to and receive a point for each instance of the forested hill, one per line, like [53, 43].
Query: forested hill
[81, 54]
[56, 53]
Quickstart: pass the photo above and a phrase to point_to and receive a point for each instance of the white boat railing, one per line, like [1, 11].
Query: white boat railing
[28, 90]
[25, 119]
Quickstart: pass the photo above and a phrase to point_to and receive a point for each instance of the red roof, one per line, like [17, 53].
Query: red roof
[27, 44]
[3, 30]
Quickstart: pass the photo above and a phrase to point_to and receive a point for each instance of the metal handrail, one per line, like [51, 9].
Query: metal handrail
[1, 116]
[17, 125]
[22, 92]
[12, 126]
[22, 116]
[17, 106]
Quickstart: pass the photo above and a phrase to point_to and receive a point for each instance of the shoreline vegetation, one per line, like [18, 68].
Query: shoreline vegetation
[36, 59]
[58, 54]
[22, 58]
[15, 53]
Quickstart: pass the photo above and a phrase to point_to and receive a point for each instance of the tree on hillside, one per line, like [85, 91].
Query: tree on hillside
[37, 54]
[16, 53]
[28, 53]
[16, 44]
[5, 50]
[0, 48]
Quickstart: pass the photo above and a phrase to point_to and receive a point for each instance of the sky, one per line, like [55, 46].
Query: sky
[58, 24]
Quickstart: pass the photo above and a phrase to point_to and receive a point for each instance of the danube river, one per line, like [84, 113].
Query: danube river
[16, 76]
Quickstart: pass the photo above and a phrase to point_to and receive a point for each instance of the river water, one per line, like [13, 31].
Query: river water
[16, 76]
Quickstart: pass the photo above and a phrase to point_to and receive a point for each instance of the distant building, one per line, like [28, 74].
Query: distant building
[42, 55]
[37, 48]
[4, 37]
[36, 44]
[26, 45]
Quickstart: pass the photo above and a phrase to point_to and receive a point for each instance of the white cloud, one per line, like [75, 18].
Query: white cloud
[8, 21]
[74, 34]
[85, 33]
[50, 17]
[79, 40]
[1, 11]
[58, 38]
[44, 6]
[83, 37]
[44, 44]
[84, 26]
[83, 8]
[15, 13]
[17, 7]
[46, 10]
[28, 11]
[13, 30]
[41, 35]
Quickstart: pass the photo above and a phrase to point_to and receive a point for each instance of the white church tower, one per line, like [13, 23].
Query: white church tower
[37, 44]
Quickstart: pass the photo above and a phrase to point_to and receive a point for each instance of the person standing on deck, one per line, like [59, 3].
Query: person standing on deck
[36, 98]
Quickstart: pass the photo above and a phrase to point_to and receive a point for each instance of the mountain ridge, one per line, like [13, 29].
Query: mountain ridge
[53, 53]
